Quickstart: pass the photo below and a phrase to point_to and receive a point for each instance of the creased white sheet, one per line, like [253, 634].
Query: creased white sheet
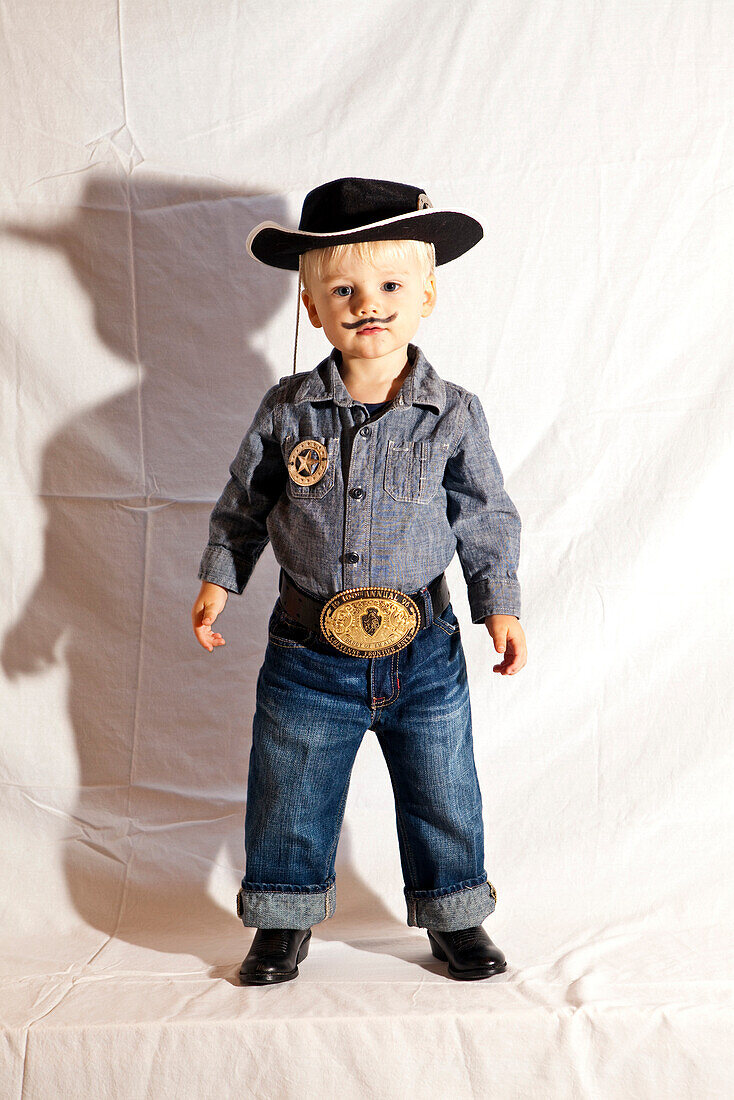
[142, 143]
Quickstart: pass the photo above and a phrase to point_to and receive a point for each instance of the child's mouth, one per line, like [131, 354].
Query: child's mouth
[369, 331]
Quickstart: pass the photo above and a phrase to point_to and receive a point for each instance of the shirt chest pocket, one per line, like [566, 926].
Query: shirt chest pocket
[303, 460]
[414, 469]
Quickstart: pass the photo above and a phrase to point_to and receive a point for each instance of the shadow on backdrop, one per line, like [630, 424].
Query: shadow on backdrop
[162, 728]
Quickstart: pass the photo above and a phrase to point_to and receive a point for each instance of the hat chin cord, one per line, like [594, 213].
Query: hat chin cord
[298, 314]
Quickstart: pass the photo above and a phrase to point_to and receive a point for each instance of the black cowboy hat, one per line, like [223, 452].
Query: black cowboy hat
[353, 209]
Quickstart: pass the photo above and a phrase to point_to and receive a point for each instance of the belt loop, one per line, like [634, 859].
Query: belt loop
[427, 604]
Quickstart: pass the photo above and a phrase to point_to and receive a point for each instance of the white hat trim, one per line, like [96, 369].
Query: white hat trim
[345, 232]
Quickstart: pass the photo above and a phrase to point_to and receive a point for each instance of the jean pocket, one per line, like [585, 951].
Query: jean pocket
[447, 620]
[287, 632]
[414, 469]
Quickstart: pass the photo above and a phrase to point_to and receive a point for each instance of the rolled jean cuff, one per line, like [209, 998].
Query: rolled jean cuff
[281, 905]
[464, 905]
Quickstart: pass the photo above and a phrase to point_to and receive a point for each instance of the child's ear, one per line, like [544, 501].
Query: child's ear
[429, 296]
[311, 309]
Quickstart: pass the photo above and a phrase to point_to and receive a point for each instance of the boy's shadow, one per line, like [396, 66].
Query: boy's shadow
[162, 727]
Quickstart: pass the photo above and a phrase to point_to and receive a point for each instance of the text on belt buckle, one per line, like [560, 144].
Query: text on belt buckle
[372, 621]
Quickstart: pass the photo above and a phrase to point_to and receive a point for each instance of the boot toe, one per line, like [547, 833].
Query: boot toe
[469, 952]
[274, 955]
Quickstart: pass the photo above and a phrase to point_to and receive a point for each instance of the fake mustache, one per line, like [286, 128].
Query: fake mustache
[370, 323]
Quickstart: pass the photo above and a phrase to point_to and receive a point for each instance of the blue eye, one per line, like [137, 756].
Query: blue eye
[337, 290]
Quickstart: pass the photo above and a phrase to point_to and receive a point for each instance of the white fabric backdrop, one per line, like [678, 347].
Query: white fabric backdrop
[143, 142]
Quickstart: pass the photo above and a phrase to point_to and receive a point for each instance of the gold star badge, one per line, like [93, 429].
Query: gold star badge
[307, 462]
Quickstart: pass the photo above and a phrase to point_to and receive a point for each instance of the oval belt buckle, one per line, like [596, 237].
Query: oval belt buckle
[371, 621]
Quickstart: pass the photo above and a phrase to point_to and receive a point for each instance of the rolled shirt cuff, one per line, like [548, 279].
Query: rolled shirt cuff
[494, 596]
[220, 566]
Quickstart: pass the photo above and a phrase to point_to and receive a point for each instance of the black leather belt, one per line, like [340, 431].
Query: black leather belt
[307, 609]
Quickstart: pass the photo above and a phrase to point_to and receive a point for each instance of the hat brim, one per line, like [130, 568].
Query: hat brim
[452, 232]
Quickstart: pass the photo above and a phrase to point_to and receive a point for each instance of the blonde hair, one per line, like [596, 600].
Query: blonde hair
[314, 263]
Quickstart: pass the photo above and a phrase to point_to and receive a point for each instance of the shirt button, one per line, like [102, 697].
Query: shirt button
[366, 430]
[352, 557]
[357, 492]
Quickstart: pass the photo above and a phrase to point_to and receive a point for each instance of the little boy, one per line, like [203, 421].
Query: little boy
[366, 474]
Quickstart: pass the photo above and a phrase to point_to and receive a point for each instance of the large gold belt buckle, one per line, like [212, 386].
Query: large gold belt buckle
[371, 621]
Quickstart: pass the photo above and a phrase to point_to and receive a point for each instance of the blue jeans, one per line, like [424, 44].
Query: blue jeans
[313, 707]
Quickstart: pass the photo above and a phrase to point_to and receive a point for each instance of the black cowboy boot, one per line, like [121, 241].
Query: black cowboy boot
[274, 955]
[470, 952]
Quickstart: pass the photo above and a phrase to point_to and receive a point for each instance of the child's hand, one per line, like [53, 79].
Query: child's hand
[209, 602]
[509, 638]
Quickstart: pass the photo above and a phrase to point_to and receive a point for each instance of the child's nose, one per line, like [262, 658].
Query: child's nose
[368, 308]
[366, 303]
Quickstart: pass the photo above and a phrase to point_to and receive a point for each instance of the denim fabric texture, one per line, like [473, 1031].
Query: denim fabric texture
[404, 489]
[314, 704]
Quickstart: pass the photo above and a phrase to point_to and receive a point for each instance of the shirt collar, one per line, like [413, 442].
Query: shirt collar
[422, 385]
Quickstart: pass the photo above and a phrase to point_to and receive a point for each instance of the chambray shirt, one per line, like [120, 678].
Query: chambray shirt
[404, 489]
